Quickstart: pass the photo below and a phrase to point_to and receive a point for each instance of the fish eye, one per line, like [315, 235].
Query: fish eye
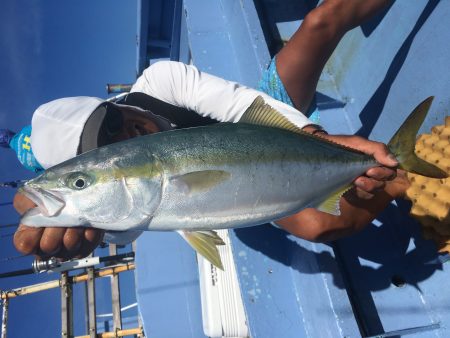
[77, 181]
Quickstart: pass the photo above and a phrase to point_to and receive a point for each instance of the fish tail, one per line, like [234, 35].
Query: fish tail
[403, 143]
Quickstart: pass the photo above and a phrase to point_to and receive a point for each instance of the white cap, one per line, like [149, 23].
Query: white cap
[57, 127]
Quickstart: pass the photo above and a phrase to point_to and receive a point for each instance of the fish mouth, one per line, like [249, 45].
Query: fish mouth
[48, 203]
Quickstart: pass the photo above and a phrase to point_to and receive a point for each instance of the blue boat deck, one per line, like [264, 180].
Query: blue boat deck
[381, 282]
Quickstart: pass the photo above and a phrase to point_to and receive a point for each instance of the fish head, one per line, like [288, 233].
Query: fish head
[83, 195]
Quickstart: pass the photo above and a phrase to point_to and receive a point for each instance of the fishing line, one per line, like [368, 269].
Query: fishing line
[12, 225]
[12, 184]
[12, 258]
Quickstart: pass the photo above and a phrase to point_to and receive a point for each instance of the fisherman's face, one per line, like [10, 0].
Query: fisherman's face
[135, 123]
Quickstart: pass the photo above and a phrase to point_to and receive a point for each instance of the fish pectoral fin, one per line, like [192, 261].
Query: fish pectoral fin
[205, 243]
[331, 204]
[200, 181]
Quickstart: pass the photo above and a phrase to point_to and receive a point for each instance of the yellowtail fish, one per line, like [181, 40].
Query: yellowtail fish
[216, 177]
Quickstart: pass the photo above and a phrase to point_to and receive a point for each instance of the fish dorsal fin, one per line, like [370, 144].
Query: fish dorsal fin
[262, 114]
[205, 243]
[331, 204]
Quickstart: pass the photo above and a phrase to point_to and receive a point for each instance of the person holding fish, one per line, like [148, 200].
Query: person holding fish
[172, 95]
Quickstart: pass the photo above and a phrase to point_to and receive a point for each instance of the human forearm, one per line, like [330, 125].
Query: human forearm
[356, 213]
[348, 14]
[317, 226]
[301, 61]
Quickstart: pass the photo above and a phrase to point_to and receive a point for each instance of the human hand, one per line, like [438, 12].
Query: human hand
[58, 242]
[375, 178]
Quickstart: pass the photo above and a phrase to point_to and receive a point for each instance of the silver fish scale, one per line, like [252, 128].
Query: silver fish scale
[273, 174]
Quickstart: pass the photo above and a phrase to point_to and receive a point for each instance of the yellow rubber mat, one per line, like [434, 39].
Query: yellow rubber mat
[431, 197]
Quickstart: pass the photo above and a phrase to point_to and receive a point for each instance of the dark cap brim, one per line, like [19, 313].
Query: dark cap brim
[107, 120]
[90, 136]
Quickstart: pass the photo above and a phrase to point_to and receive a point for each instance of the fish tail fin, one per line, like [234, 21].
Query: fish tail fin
[205, 243]
[402, 144]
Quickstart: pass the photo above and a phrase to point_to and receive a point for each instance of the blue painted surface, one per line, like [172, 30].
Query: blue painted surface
[381, 77]
[226, 40]
[167, 286]
[290, 287]
[158, 31]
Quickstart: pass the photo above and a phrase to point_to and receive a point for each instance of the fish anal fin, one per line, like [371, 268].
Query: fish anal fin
[205, 243]
[331, 204]
[199, 181]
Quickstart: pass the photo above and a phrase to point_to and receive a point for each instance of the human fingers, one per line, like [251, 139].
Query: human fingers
[22, 203]
[26, 239]
[363, 194]
[72, 241]
[91, 239]
[93, 235]
[367, 187]
[376, 175]
[382, 173]
[378, 150]
[381, 154]
[79, 242]
[52, 241]
[397, 187]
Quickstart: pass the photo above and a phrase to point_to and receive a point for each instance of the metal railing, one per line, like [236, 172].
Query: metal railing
[65, 283]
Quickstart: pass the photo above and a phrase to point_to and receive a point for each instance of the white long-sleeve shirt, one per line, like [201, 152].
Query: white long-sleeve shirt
[185, 86]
